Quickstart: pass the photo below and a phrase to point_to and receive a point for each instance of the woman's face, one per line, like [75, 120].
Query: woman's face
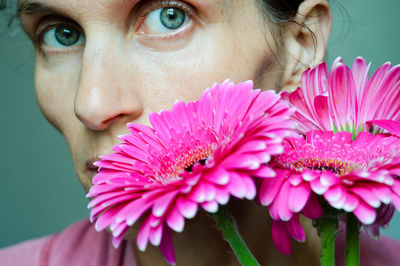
[103, 63]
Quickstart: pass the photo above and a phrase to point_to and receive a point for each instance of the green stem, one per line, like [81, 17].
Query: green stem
[327, 227]
[352, 241]
[228, 227]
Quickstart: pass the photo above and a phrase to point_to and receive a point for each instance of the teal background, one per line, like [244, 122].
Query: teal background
[39, 192]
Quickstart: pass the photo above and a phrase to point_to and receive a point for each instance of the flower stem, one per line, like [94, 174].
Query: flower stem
[352, 241]
[228, 227]
[327, 227]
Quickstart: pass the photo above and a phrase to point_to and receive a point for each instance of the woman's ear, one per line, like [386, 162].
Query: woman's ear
[305, 40]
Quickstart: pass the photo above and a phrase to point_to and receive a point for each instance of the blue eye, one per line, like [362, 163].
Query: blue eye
[165, 20]
[63, 36]
[172, 18]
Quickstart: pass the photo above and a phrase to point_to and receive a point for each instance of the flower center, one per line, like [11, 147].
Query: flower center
[336, 166]
[188, 160]
[175, 162]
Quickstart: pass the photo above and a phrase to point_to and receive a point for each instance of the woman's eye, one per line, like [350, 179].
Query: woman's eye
[165, 20]
[63, 36]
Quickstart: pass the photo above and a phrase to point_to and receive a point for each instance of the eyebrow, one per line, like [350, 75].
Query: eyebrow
[26, 7]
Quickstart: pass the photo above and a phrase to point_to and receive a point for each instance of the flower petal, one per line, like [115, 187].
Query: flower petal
[365, 213]
[167, 247]
[281, 237]
[298, 197]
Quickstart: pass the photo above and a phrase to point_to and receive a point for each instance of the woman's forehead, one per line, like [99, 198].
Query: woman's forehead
[30, 6]
[79, 10]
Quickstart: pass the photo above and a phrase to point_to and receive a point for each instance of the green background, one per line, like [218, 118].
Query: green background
[39, 192]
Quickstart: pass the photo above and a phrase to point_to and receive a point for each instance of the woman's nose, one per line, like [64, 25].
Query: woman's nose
[106, 93]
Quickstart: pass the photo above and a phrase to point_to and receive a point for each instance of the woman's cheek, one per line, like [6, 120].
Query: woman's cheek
[55, 89]
[211, 56]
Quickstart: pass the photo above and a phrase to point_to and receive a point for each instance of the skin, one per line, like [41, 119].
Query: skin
[124, 70]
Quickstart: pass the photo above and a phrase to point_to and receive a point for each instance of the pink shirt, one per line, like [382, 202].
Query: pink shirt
[78, 245]
[81, 245]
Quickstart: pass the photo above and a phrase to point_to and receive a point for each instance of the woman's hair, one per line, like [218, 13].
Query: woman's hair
[279, 11]
[276, 10]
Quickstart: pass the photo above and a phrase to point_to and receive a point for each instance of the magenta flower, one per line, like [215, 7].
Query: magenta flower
[198, 154]
[344, 99]
[355, 176]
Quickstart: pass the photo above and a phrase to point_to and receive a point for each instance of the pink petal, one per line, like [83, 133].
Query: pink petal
[250, 188]
[175, 220]
[313, 209]
[295, 229]
[396, 201]
[116, 241]
[317, 187]
[143, 235]
[119, 229]
[338, 204]
[263, 172]
[209, 192]
[198, 194]
[365, 213]
[295, 179]
[236, 185]
[222, 196]
[155, 235]
[334, 194]
[280, 205]
[322, 112]
[132, 212]
[107, 218]
[359, 70]
[367, 194]
[328, 179]
[162, 203]
[210, 206]
[396, 187]
[393, 127]
[342, 99]
[269, 189]
[186, 207]
[298, 197]
[350, 203]
[245, 162]
[219, 176]
[309, 175]
[388, 93]
[281, 237]
[372, 92]
[383, 193]
[167, 247]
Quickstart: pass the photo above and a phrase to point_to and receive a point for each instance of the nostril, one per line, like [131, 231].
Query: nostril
[93, 120]
[101, 116]
[107, 121]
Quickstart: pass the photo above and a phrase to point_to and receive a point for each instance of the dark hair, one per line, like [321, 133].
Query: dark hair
[279, 11]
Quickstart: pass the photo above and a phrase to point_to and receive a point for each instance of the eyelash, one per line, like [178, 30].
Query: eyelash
[143, 11]
[149, 7]
[54, 22]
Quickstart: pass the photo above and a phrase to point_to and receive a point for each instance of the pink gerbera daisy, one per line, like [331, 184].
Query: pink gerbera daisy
[343, 100]
[346, 99]
[197, 154]
[351, 175]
